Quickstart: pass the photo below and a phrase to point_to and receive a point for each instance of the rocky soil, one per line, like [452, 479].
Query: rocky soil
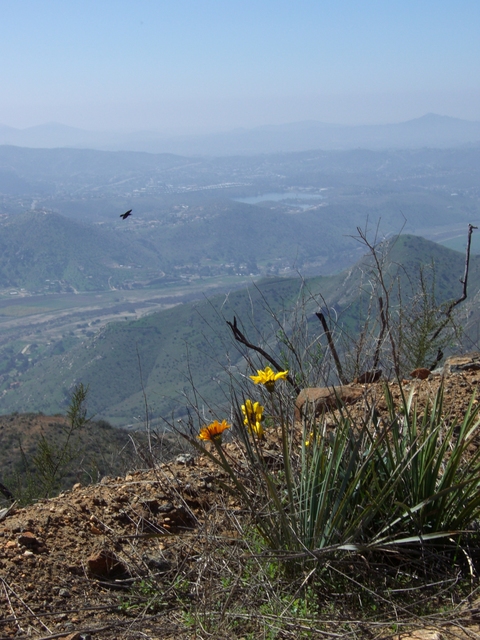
[67, 565]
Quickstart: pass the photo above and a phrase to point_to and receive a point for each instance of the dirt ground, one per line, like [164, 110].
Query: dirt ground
[67, 564]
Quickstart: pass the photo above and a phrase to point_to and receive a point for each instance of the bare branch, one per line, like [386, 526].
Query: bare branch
[332, 348]
[376, 357]
[452, 305]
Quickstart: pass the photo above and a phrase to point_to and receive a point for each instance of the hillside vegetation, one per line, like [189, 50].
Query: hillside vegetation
[167, 354]
[48, 252]
[40, 455]
[353, 522]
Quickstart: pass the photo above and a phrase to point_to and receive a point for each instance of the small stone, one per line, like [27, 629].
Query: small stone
[165, 508]
[420, 374]
[65, 593]
[105, 563]
[185, 458]
[28, 539]
[95, 530]
[157, 564]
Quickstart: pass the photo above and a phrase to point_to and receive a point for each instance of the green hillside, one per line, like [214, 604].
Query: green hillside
[190, 345]
[46, 250]
[161, 345]
[234, 232]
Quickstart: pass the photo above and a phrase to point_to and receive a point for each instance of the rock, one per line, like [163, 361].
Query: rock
[185, 458]
[28, 539]
[157, 564]
[166, 507]
[467, 362]
[420, 373]
[321, 398]
[95, 530]
[106, 564]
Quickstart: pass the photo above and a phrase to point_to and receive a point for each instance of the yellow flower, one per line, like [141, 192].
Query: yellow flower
[312, 440]
[267, 377]
[253, 412]
[214, 430]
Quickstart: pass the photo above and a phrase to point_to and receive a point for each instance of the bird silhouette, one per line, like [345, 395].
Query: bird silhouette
[126, 214]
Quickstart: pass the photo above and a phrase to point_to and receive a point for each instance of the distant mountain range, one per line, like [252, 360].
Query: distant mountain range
[430, 130]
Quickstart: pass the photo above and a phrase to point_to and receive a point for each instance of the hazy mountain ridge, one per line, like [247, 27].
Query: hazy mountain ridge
[430, 130]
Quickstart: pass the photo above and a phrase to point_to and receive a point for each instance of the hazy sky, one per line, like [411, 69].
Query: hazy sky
[206, 65]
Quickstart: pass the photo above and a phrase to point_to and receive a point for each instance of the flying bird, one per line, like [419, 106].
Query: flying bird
[126, 214]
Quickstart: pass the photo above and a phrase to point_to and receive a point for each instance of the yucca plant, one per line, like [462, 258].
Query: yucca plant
[411, 479]
[407, 478]
[427, 467]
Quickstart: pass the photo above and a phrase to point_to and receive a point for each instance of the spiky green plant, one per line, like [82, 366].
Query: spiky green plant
[403, 480]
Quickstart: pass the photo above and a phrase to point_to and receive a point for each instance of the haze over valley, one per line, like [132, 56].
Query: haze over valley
[429, 130]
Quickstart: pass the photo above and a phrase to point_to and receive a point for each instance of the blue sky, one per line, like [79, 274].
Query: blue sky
[181, 66]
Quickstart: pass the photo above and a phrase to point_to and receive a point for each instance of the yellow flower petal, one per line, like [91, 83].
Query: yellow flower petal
[253, 412]
[268, 377]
